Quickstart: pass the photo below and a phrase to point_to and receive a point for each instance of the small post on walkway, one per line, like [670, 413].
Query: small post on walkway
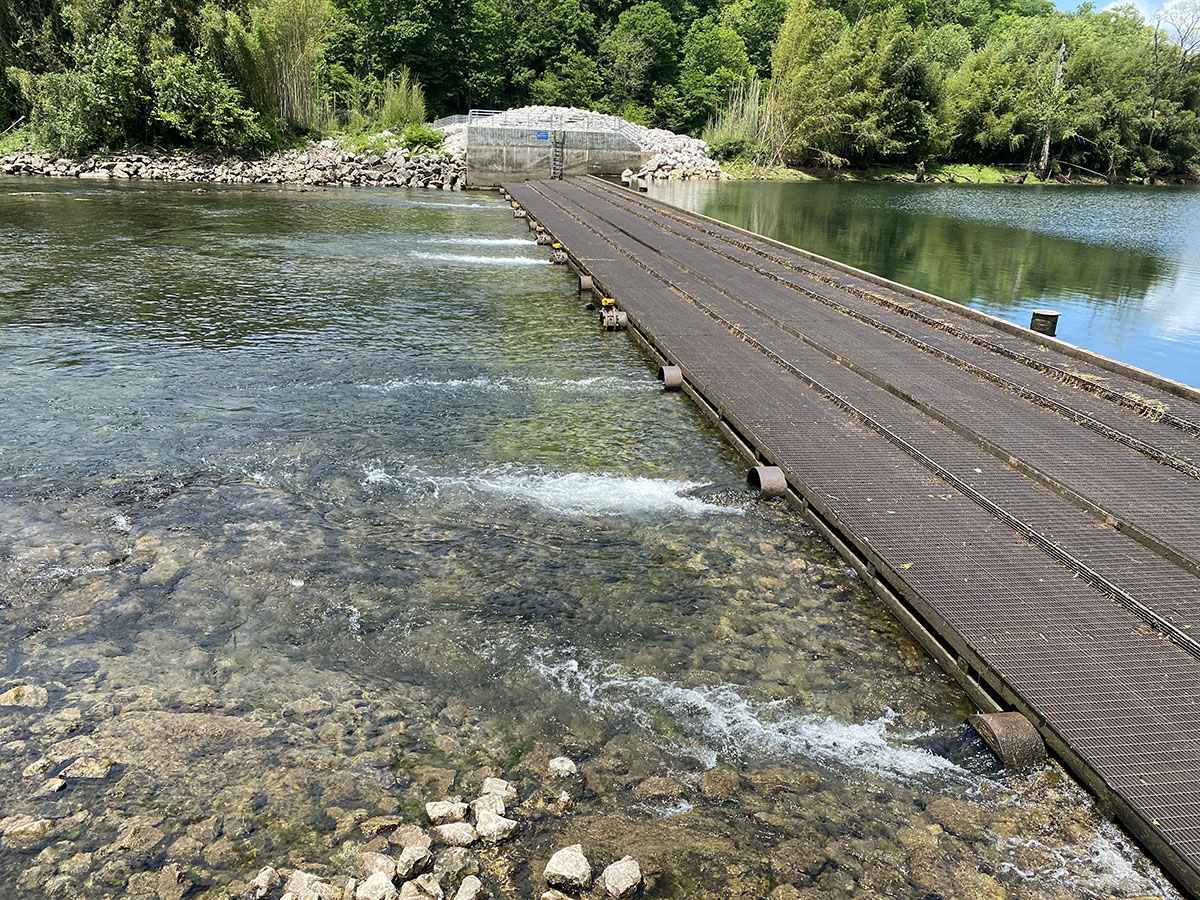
[1044, 321]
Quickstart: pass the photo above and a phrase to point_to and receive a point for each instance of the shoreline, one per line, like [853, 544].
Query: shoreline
[938, 173]
[319, 164]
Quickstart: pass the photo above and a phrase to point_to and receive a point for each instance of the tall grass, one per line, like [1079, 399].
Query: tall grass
[402, 101]
[748, 128]
[274, 53]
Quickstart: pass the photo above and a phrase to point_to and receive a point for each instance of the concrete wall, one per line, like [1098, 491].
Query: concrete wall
[496, 155]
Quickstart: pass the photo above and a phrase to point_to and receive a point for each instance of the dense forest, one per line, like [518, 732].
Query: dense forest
[797, 82]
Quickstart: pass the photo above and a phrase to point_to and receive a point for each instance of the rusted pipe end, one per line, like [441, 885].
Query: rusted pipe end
[769, 481]
[1011, 737]
[671, 377]
[585, 283]
[1044, 321]
[519, 214]
[532, 223]
[543, 239]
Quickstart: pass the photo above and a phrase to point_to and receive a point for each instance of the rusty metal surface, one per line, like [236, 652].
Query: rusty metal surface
[1065, 617]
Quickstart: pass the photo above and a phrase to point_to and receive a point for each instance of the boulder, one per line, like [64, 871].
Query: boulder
[370, 863]
[622, 878]
[562, 766]
[264, 882]
[377, 887]
[444, 812]
[569, 868]
[27, 695]
[499, 786]
[424, 887]
[412, 862]
[492, 803]
[494, 828]
[456, 834]
[410, 836]
[470, 889]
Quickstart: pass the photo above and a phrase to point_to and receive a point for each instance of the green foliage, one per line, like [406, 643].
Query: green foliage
[851, 82]
[744, 129]
[195, 104]
[274, 53]
[419, 136]
[640, 52]
[575, 81]
[714, 64]
[403, 101]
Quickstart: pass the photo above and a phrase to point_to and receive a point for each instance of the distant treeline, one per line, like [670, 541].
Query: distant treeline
[805, 82]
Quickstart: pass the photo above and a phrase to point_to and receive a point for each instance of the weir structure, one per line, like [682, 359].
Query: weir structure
[506, 146]
[1026, 508]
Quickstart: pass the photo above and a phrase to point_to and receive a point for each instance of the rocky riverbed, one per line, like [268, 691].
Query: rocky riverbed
[317, 508]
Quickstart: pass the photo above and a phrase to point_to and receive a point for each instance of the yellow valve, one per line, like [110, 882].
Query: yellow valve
[540, 229]
[608, 301]
[556, 246]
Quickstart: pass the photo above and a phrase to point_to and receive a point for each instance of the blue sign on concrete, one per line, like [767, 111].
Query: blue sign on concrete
[543, 135]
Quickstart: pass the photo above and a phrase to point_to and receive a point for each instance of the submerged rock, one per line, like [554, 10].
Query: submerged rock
[500, 787]
[453, 864]
[88, 767]
[569, 868]
[561, 767]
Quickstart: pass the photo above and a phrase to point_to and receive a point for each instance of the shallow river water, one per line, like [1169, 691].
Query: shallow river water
[316, 506]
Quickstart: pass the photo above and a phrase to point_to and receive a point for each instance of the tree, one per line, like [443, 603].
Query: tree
[714, 63]
[640, 53]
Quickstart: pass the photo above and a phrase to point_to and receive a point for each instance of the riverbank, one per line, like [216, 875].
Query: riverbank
[936, 173]
[321, 163]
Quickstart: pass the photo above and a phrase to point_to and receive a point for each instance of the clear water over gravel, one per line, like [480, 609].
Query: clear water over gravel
[315, 506]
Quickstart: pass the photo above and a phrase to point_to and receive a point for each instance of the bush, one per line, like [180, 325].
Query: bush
[422, 137]
[195, 103]
[101, 102]
[734, 147]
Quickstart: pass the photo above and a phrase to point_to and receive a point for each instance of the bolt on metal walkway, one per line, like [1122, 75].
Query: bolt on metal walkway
[1027, 509]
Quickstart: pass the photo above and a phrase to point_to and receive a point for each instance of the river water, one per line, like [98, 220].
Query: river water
[318, 505]
[1122, 266]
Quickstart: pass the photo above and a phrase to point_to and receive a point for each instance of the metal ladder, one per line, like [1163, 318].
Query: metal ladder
[558, 137]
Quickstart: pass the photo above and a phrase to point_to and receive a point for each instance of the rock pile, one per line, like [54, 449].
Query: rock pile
[437, 862]
[675, 155]
[322, 163]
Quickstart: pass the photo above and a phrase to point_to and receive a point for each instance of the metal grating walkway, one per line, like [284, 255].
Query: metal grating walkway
[1026, 508]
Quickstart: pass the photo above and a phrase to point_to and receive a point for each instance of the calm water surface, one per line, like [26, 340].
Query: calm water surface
[315, 506]
[1121, 265]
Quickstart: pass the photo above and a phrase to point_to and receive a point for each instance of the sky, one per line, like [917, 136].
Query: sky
[1148, 8]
